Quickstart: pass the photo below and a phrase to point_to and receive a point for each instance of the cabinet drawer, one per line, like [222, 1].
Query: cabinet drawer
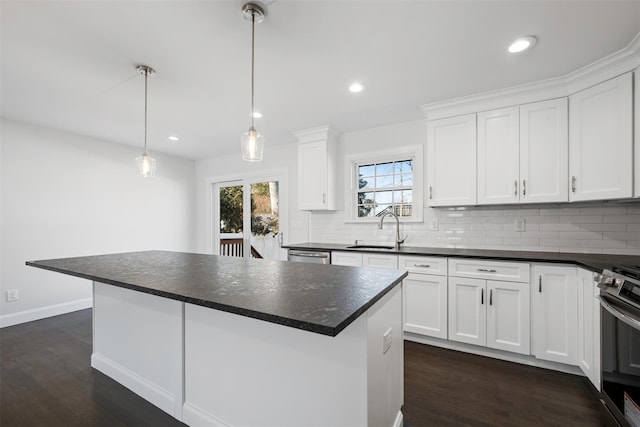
[483, 269]
[353, 259]
[380, 261]
[424, 265]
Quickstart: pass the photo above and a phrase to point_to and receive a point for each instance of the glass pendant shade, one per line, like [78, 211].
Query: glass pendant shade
[146, 165]
[252, 143]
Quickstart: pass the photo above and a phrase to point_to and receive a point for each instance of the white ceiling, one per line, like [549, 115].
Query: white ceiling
[70, 65]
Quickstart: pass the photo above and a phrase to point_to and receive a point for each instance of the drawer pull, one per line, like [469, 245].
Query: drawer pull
[422, 265]
[487, 270]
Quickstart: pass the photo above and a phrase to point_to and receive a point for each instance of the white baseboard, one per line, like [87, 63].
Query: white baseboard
[196, 417]
[44, 312]
[134, 382]
[496, 354]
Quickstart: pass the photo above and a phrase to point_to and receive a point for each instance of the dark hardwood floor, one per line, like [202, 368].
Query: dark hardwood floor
[451, 388]
[46, 380]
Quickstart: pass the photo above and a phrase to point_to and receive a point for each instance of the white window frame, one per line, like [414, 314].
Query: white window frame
[415, 153]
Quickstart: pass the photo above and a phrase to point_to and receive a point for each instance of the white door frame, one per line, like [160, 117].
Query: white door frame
[213, 211]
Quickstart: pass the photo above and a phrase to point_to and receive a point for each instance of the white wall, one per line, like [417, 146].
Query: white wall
[596, 227]
[68, 195]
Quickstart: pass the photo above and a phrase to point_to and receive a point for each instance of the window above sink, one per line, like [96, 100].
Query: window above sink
[384, 182]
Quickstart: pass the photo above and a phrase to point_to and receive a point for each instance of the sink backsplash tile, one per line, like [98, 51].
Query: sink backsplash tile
[609, 227]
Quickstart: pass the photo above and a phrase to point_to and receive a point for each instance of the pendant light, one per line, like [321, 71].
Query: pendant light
[252, 142]
[146, 163]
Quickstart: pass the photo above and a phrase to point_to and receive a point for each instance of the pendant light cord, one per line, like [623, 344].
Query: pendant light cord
[146, 75]
[253, 25]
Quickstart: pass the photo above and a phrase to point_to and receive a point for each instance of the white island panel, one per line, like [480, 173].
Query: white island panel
[137, 340]
[244, 372]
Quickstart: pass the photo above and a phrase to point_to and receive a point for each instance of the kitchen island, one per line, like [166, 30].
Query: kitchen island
[228, 341]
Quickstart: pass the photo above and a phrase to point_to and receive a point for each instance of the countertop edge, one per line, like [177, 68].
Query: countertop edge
[579, 259]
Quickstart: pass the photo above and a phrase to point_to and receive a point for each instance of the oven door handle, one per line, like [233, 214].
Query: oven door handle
[625, 317]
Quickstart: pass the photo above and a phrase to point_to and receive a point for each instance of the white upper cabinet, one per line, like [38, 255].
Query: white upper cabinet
[451, 161]
[318, 169]
[544, 152]
[498, 156]
[601, 141]
[522, 154]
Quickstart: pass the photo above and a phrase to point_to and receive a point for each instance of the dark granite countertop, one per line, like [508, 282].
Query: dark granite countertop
[593, 262]
[316, 298]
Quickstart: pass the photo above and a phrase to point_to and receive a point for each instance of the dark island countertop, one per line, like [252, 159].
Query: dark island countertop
[316, 298]
[593, 262]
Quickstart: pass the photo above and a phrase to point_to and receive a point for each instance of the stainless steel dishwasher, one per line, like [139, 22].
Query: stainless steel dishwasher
[312, 257]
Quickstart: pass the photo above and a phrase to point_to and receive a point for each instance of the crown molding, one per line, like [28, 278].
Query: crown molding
[320, 133]
[620, 62]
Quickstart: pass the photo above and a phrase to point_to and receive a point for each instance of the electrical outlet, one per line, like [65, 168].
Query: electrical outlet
[519, 224]
[386, 341]
[12, 295]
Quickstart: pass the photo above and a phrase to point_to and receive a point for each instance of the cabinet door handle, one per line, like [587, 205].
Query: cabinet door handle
[524, 187]
[487, 270]
[490, 296]
[324, 198]
[573, 184]
[422, 265]
[515, 188]
[539, 283]
[430, 192]
[481, 296]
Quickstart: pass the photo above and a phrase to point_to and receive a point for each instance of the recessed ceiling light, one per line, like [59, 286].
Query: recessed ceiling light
[257, 115]
[174, 138]
[522, 44]
[356, 87]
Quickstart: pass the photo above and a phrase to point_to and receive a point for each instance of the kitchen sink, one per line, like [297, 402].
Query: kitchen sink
[369, 247]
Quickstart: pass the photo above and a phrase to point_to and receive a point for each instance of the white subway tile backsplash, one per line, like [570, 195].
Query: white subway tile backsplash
[593, 228]
[604, 227]
[560, 227]
[623, 235]
[622, 219]
[581, 219]
[560, 211]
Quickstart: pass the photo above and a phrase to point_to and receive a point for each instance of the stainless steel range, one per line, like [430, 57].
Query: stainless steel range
[620, 344]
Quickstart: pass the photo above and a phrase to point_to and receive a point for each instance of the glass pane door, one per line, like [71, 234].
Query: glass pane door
[231, 224]
[249, 205]
[265, 220]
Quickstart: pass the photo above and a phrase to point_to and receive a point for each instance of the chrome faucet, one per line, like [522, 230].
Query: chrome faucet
[398, 240]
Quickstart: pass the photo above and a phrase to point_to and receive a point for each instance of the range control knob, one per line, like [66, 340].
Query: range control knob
[598, 277]
[617, 283]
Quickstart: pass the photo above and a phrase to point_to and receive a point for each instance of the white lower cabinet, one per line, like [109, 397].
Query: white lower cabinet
[380, 261]
[425, 295]
[550, 311]
[358, 259]
[352, 259]
[489, 313]
[554, 313]
[588, 327]
[467, 313]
